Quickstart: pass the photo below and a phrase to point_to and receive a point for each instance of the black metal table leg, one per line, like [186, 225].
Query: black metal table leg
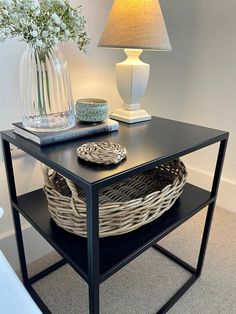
[17, 226]
[93, 249]
[211, 207]
[208, 222]
[15, 213]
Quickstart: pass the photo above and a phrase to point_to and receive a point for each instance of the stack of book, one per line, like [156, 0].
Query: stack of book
[80, 130]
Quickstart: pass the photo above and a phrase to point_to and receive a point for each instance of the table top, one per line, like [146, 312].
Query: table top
[148, 144]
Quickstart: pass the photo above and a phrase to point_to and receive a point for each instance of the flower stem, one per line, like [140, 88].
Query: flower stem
[48, 90]
[40, 57]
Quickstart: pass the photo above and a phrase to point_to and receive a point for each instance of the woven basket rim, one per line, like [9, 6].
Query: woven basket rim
[153, 170]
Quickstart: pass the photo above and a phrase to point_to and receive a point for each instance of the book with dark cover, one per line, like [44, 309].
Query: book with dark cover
[80, 130]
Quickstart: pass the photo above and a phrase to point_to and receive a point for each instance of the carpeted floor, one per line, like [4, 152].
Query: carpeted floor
[148, 281]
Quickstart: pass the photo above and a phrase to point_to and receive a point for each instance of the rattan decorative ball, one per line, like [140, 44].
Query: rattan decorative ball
[91, 110]
[102, 152]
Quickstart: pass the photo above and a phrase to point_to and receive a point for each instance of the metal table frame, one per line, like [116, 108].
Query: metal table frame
[92, 191]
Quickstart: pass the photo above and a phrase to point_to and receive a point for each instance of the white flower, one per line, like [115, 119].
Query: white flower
[61, 2]
[13, 16]
[5, 12]
[50, 28]
[7, 2]
[34, 33]
[56, 18]
[55, 41]
[6, 31]
[39, 43]
[67, 32]
[37, 12]
[72, 14]
[35, 4]
[63, 25]
[44, 34]
[34, 27]
[23, 21]
[57, 29]
[2, 36]
[42, 23]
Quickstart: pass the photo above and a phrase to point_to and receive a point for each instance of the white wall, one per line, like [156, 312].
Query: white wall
[194, 83]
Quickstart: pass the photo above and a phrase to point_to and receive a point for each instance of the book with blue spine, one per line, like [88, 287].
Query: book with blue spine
[80, 130]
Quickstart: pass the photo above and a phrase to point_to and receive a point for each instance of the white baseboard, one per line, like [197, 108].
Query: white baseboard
[35, 246]
[227, 188]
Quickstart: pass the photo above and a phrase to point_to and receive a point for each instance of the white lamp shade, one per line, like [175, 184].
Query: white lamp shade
[136, 24]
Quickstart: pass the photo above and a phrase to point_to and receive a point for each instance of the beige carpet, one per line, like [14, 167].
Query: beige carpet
[147, 282]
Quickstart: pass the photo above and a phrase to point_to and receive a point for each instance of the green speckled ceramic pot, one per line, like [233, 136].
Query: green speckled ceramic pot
[91, 110]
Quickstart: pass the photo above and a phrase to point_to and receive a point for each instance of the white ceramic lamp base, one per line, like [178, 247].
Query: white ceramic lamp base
[132, 78]
[129, 116]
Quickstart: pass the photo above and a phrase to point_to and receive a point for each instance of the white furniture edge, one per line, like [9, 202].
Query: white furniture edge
[14, 298]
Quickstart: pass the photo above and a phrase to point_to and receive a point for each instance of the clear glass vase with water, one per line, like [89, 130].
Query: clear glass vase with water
[45, 90]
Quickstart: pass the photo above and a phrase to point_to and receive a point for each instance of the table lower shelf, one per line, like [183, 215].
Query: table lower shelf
[115, 252]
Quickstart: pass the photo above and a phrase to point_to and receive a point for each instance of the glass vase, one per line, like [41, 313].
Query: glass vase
[45, 90]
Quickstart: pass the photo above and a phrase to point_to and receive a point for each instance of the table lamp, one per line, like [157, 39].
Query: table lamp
[134, 25]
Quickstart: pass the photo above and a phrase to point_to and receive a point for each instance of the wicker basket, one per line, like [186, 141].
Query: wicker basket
[123, 206]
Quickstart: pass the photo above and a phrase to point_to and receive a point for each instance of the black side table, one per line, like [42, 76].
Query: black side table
[148, 144]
